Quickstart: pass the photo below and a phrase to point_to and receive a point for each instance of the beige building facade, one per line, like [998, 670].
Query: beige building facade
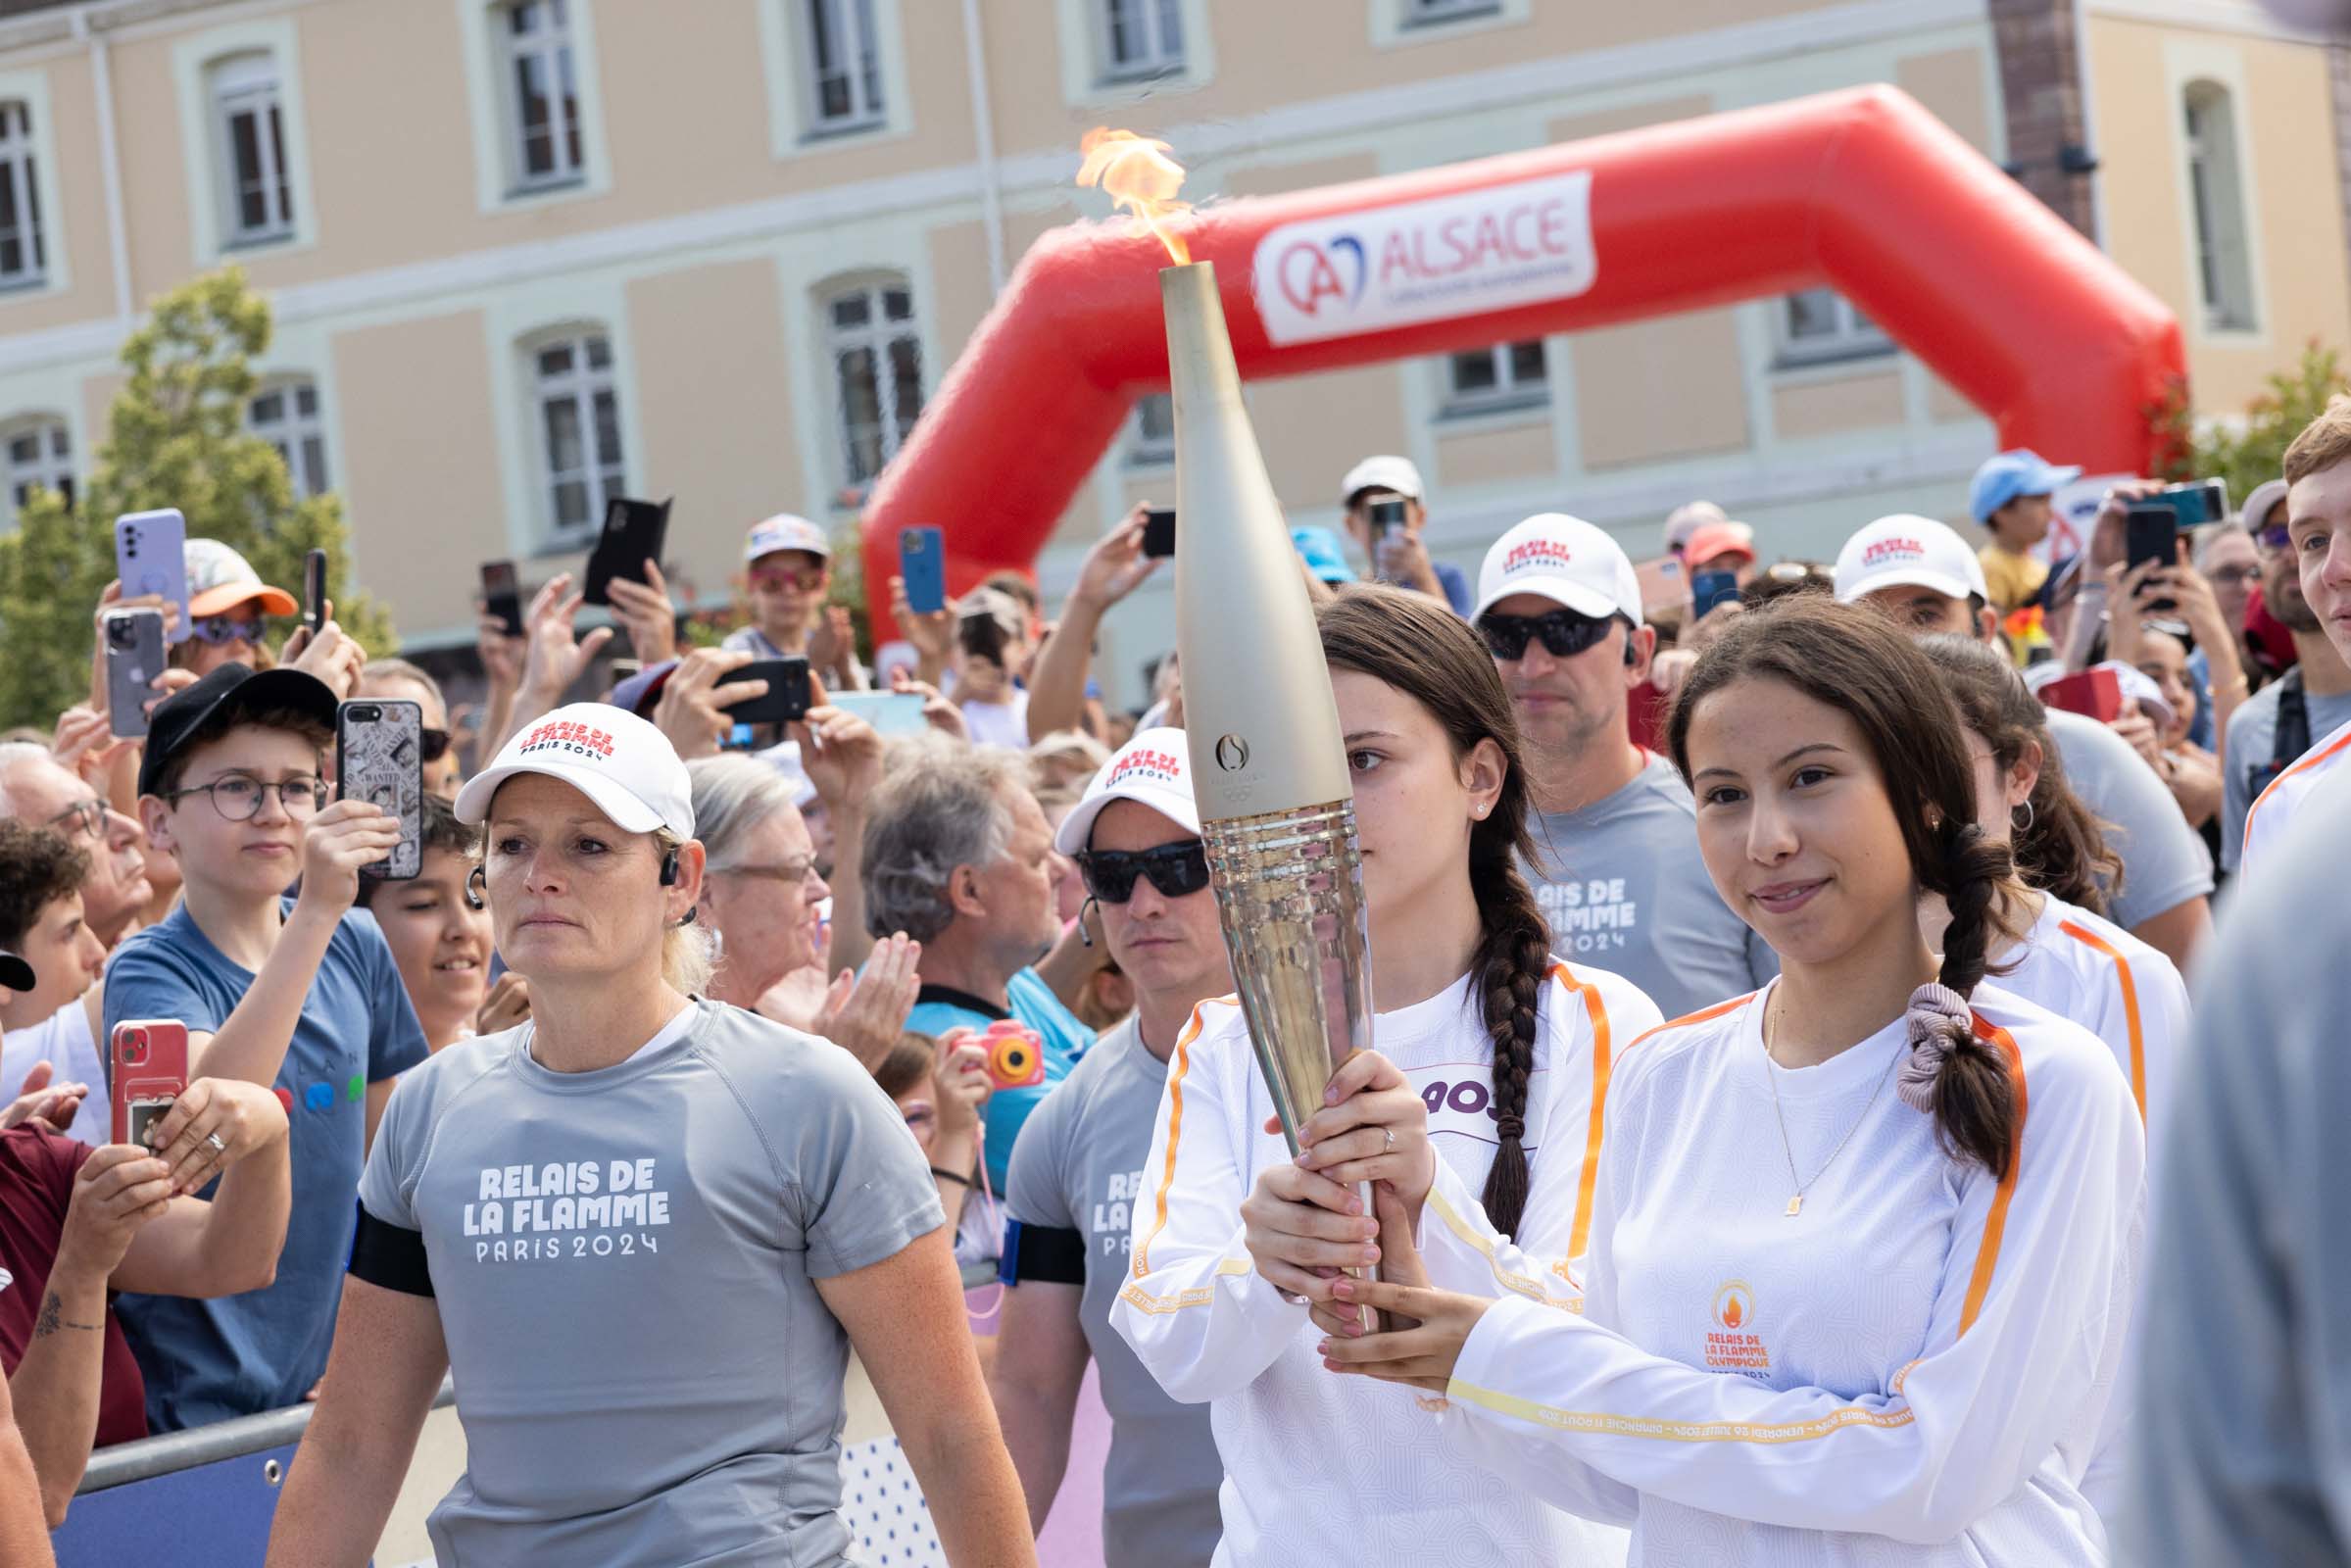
[526, 254]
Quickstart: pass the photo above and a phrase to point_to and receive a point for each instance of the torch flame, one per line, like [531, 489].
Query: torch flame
[1141, 177]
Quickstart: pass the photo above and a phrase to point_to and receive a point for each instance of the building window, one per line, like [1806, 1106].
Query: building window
[249, 120]
[286, 416]
[2215, 193]
[579, 419]
[22, 258]
[1152, 439]
[877, 370]
[845, 65]
[543, 93]
[39, 457]
[1140, 38]
[1507, 375]
[1419, 13]
[1820, 324]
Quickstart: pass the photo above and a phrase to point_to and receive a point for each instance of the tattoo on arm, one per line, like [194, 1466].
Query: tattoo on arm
[53, 1317]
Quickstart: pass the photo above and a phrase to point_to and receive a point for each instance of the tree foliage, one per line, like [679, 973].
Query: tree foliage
[176, 437]
[2250, 450]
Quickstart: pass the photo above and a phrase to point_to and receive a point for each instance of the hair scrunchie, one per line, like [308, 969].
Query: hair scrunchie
[1510, 1127]
[1939, 1022]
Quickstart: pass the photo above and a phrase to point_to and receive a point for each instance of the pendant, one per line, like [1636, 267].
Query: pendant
[1795, 1205]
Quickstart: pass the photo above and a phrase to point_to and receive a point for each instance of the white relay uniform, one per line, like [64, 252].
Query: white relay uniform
[2274, 808]
[1313, 1459]
[1911, 1372]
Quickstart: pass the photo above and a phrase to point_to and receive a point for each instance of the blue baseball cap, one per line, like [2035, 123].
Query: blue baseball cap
[1323, 554]
[2013, 474]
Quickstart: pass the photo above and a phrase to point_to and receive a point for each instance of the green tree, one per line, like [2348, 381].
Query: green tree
[2251, 451]
[176, 437]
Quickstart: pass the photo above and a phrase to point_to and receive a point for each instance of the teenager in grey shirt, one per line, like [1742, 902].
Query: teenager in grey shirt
[643, 1230]
[1617, 869]
[1077, 1174]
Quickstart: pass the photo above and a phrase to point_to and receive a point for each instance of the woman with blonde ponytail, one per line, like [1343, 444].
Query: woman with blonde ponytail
[1862, 1242]
[1491, 1059]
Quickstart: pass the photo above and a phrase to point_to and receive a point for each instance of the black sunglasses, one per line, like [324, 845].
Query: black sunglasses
[1564, 633]
[1175, 869]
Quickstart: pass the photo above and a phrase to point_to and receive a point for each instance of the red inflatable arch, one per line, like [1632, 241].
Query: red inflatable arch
[1863, 189]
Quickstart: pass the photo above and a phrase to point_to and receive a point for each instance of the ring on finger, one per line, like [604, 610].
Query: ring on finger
[1389, 1148]
[217, 1144]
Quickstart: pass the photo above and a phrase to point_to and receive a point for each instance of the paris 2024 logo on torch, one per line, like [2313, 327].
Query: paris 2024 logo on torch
[1513, 244]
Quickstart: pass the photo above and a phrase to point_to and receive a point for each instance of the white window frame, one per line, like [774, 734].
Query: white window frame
[554, 49]
[198, 63]
[855, 28]
[604, 474]
[876, 336]
[2213, 187]
[1509, 392]
[1145, 448]
[1156, 60]
[20, 173]
[498, 181]
[293, 433]
[250, 83]
[47, 466]
[1088, 78]
[1855, 337]
[795, 127]
[1404, 23]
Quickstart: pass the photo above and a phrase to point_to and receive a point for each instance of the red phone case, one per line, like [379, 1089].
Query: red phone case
[149, 1057]
[2093, 693]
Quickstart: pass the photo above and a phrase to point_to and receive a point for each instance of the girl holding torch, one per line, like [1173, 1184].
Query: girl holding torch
[1862, 1242]
[1496, 1060]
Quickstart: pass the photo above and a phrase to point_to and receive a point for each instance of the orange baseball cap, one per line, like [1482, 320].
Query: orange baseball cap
[220, 580]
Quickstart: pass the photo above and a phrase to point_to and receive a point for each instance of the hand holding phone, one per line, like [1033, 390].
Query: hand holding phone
[889, 713]
[634, 532]
[2152, 534]
[502, 595]
[148, 1066]
[151, 557]
[1158, 532]
[314, 591]
[134, 657]
[922, 564]
[379, 757]
[787, 698]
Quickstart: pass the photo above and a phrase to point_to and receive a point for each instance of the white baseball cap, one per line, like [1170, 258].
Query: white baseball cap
[1563, 559]
[616, 759]
[1907, 550]
[1385, 473]
[785, 531]
[1152, 769]
[1687, 518]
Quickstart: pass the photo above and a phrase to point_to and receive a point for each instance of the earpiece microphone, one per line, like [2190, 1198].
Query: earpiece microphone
[476, 884]
[1084, 935]
[670, 870]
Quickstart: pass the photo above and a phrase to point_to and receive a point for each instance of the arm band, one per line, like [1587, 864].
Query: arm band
[391, 1256]
[1044, 1254]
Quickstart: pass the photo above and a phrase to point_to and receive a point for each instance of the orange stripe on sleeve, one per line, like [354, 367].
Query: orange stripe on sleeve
[1175, 1129]
[2309, 761]
[1715, 1011]
[1987, 1254]
[2122, 973]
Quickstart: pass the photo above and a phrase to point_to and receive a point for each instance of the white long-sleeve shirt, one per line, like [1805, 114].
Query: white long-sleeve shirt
[1311, 1459]
[1911, 1371]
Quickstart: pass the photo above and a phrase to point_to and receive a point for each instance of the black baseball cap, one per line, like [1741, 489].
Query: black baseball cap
[15, 973]
[231, 689]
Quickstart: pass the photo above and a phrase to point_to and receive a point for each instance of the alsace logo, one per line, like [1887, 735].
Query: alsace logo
[1160, 766]
[1504, 246]
[579, 739]
[1887, 551]
[1536, 553]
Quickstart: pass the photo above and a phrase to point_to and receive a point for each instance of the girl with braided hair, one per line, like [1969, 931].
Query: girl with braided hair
[1863, 1243]
[1491, 1061]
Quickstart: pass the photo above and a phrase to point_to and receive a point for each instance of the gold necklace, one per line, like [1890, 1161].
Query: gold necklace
[1771, 1073]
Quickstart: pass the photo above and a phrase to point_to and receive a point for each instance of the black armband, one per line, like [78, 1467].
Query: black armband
[1045, 1254]
[390, 1255]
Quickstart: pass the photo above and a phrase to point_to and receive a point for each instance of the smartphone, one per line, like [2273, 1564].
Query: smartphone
[2200, 501]
[502, 595]
[787, 696]
[889, 713]
[134, 657]
[2151, 532]
[380, 757]
[1158, 532]
[922, 563]
[1388, 518]
[314, 590]
[633, 534]
[151, 557]
[2093, 693]
[1708, 589]
[147, 1066]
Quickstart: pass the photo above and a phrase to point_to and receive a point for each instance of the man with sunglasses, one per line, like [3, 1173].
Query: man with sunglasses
[396, 680]
[1616, 869]
[1078, 1174]
[2272, 729]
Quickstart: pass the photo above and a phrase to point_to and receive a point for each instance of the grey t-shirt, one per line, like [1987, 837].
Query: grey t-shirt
[2252, 739]
[1078, 1168]
[1624, 889]
[2165, 862]
[625, 1264]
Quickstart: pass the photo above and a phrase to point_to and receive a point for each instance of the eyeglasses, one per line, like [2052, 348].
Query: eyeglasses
[238, 796]
[221, 630]
[432, 745]
[790, 871]
[86, 816]
[775, 579]
[2275, 537]
[1174, 869]
[1564, 633]
[2232, 576]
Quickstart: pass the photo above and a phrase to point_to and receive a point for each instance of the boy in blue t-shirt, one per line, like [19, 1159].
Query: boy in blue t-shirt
[301, 992]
